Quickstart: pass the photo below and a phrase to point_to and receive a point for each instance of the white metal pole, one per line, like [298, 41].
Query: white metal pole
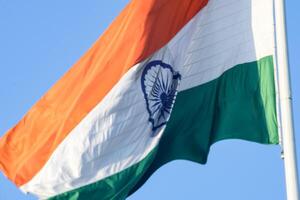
[289, 149]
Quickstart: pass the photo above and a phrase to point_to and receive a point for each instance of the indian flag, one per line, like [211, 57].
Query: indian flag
[165, 81]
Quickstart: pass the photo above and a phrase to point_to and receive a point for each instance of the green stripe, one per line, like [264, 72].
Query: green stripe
[240, 104]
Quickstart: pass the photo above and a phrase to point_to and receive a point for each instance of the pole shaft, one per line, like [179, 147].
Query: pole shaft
[289, 149]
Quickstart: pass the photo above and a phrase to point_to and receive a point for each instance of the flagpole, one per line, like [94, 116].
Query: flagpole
[285, 97]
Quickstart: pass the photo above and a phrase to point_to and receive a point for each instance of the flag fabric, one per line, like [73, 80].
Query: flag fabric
[165, 81]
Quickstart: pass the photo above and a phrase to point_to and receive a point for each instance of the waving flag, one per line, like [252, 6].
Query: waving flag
[167, 80]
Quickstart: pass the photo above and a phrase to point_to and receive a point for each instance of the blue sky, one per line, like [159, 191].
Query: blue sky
[40, 40]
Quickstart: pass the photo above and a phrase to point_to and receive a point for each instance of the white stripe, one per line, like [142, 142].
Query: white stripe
[116, 134]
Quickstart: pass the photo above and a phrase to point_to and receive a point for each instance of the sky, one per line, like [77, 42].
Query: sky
[41, 40]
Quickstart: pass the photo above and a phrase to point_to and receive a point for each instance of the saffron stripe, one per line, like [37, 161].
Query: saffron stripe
[140, 30]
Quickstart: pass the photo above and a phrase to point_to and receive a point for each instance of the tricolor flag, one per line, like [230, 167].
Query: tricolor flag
[165, 81]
